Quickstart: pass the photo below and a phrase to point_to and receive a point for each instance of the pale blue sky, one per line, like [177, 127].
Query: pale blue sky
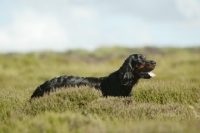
[32, 25]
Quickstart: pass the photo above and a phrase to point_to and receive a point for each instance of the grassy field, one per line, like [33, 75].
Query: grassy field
[170, 102]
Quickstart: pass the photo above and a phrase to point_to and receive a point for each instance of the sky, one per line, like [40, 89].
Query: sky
[59, 25]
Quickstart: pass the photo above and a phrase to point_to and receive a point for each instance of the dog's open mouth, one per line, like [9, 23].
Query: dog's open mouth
[146, 75]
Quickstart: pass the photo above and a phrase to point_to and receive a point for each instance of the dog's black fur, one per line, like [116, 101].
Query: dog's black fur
[118, 83]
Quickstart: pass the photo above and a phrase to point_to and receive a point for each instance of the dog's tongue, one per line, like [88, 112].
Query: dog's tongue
[147, 75]
[151, 74]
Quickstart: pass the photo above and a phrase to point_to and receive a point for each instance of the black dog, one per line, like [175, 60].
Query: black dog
[118, 83]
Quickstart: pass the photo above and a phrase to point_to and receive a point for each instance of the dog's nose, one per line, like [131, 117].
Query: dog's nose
[153, 62]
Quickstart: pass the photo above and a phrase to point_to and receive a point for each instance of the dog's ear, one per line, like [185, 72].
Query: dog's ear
[126, 72]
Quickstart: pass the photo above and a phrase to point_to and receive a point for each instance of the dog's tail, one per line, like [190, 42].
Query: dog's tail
[66, 81]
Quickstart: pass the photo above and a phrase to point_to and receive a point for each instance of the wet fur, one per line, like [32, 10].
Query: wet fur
[118, 83]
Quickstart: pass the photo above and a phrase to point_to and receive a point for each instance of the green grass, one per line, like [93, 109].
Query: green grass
[170, 102]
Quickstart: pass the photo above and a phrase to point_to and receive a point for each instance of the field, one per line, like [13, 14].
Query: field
[169, 102]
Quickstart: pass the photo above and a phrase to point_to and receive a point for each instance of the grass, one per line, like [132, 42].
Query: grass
[170, 102]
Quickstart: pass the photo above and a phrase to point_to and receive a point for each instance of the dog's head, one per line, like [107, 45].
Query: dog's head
[139, 64]
[135, 66]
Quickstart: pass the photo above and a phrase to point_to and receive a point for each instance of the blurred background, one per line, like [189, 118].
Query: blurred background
[43, 39]
[60, 25]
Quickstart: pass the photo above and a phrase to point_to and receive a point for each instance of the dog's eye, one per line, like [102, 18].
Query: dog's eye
[142, 57]
[141, 62]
